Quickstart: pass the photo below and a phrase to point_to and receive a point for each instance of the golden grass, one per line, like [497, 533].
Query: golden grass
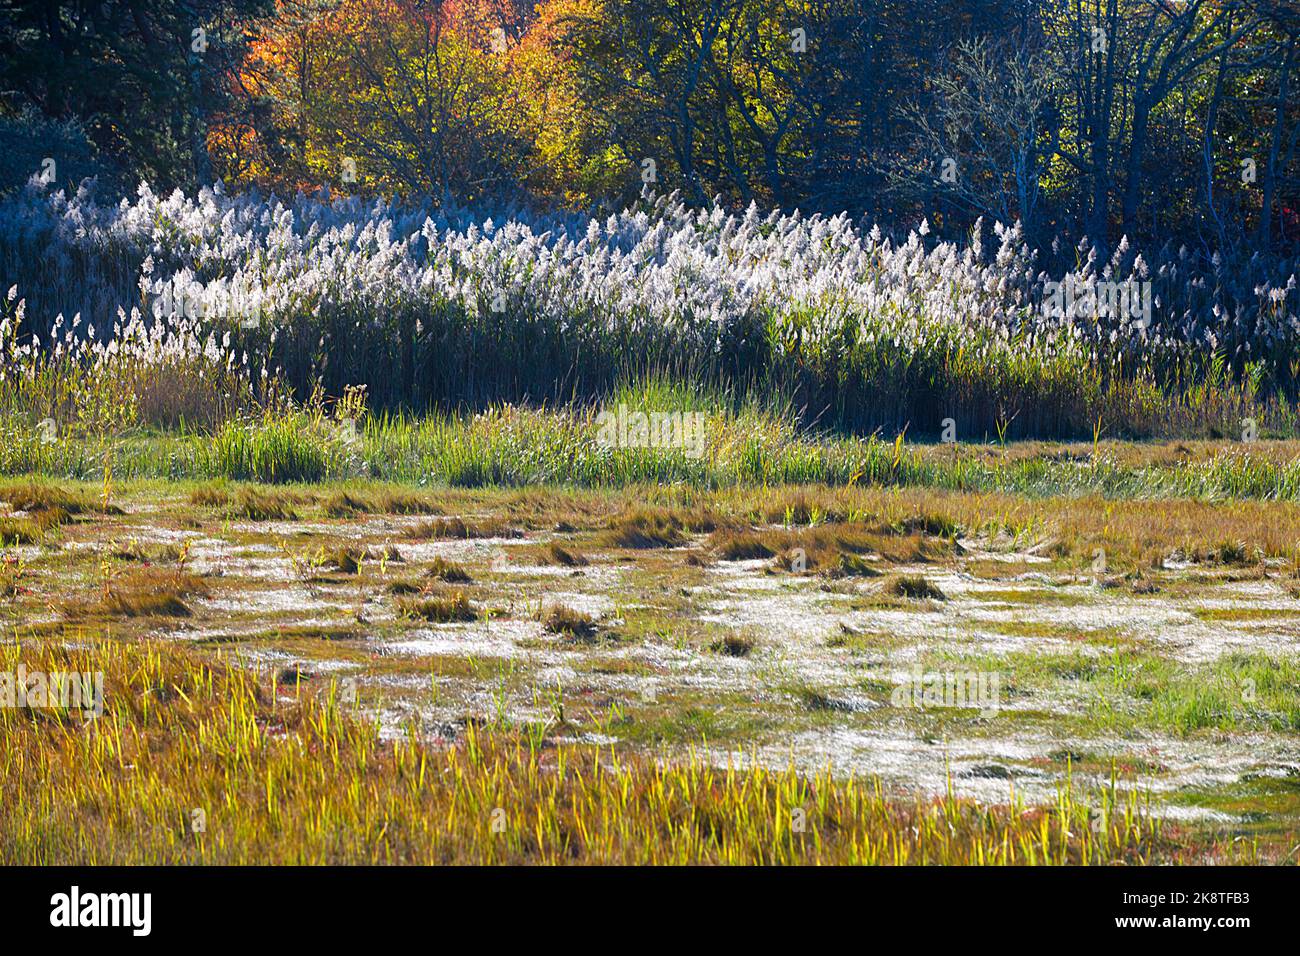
[210, 496]
[1132, 532]
[733, 546]
[36, 497]
[194, 762]
[853, 566]
[21, 531]
[250, 502]
[831, 548]
[133, 551]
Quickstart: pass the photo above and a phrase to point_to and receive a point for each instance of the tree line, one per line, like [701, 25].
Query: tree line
[1158, 120]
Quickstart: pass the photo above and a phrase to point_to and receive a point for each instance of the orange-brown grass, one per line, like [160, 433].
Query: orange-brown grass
[134, 551]
[143, 592]
[44, 507]
[448, 571]
[914, 587]
[33, 498]
[1131, 531]
[569, 622]
[853, 566]
[555, 553]
[443, 609]
[256, 505]
[825, 546]
[1158, 454]
[458, 528]
[663, 527]
[346, 504]
[250, 503]
[210, 496]
[741, 546]
[646, 529]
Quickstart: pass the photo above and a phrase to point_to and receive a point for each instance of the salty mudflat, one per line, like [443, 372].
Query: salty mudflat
[939, 645]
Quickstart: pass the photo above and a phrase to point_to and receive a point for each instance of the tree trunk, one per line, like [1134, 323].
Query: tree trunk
[1265, 227]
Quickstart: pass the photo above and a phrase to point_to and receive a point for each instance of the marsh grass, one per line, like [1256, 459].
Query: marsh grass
[646, 530]
[309, 780]
[570, 623]
[252, 504]
[440, 609]
[352, 502]
[141, 592]
[22, 531]
[555, 553]
[43, 507]
[643, 528]
[1117, 694]
[459, 529]
[832, 548]
[914, 587]
[733, 546]
[1234, 553]
[154, 554]
[853, 566]
[348, 560]
[447, 571]
[210, 496]
[508, 446]
[40, 498]
[733, 645]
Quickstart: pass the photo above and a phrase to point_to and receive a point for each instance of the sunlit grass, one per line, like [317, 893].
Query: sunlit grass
[514, 447]
[193, 761]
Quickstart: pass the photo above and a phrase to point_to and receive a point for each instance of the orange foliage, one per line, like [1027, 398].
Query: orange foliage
[458, 98]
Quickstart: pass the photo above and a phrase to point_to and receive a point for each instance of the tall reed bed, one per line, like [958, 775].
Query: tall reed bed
[450, 308]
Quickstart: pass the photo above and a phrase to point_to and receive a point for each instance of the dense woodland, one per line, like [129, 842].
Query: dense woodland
[1153, 119]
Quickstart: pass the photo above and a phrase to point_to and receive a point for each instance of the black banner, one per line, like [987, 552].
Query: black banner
[156, 905]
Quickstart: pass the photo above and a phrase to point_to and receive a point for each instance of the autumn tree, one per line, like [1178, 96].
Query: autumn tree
[450, 100]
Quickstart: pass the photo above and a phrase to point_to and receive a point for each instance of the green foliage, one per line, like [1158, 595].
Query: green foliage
[274, 449]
